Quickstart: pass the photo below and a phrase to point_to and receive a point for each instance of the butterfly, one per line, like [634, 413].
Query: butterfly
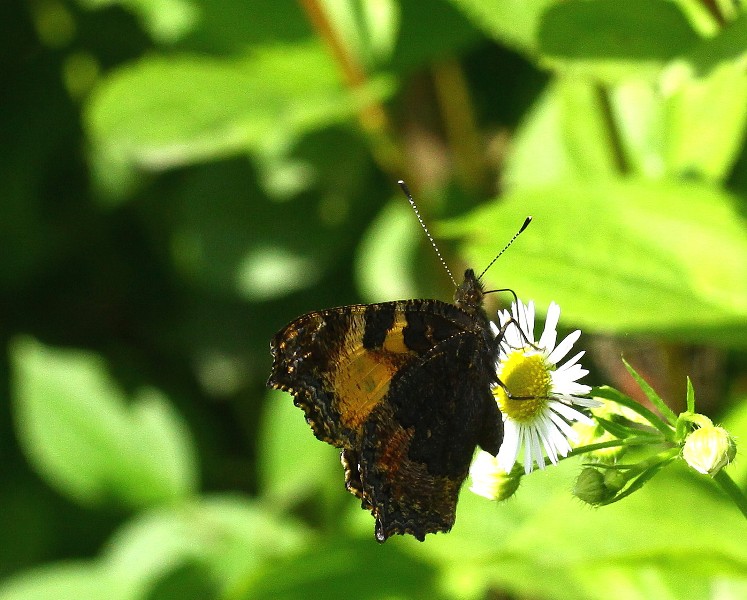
[403, 388]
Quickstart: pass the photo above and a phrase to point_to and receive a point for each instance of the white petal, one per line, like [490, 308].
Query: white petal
[571, 362]
[529, 321]
[564, 347]
[563, 426]
[545, 433]
[532, 451]
[510, 447]
[550, 334]
[584, 402]
[572, 374]
[570, 413]
[570, 388]
[564, 382]
[557, 438]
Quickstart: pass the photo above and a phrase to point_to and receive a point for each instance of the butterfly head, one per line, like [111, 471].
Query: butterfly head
[470, 293]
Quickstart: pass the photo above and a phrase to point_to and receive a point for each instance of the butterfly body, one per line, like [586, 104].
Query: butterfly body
[404, 389]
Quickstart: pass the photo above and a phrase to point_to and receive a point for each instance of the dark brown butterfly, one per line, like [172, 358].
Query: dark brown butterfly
[404, 389]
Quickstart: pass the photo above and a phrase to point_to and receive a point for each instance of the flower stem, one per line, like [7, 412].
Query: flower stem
[631, 441]
[732, 490]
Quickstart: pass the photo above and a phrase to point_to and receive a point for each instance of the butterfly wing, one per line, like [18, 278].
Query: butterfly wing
[404, 389]
[417, 447]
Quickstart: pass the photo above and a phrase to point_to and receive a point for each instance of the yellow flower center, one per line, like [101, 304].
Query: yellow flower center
[527, 377]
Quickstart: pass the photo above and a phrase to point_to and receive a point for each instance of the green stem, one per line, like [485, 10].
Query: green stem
[631, 441]
[617, 149]
[732, 490]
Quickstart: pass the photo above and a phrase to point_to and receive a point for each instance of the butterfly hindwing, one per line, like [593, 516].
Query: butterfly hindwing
[417, 447]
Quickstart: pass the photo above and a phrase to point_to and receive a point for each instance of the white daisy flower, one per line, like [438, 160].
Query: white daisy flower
[537, 417]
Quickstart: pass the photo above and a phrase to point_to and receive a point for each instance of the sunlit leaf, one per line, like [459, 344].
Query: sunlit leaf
[513, 22]
[80, 434]
[622, 256]
[162, 112]
[565, 135]
[69, 581]
[608, 40]
[228, 538]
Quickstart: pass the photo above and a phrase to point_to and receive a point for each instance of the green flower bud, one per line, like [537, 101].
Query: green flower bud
[590, 487]
[615, 480]
[708, 449]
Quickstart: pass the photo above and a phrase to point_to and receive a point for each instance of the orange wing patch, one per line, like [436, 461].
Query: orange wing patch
[361, 376]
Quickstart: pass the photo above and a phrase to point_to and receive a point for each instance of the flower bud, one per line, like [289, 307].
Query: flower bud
[708, 449]
[492, 482]
[590, 487]
[615, 480]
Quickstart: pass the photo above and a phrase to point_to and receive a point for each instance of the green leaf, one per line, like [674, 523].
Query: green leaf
[344, 568]
[386, 252]
[608, 39]
[735, 422]
[728, 46]
[619, 431]
[680, 125]
[369, 28]
[70, 581]
[293, 462]
[610, 393]
[621, 256]
[229, 539]
[511, 22]
[651, 394]
[162, 112]
[165, 437]
[565, 135]
[167, 21]
[705, 118]
[690, 396]
[79, 434]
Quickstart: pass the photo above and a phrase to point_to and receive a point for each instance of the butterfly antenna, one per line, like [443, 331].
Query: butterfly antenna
[511, 241]
[410, 199]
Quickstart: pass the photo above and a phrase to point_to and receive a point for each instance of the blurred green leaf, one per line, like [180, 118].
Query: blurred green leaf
[369, 27]
[682, 125]
[622, 256]
[165, 437]
[166, 20]
[190, 581]
[78, 432]
[565, 135]
[226, 538]
[232, 26]
[162, 112]
[728, 46]
[294, 464]
[71, 581]
[735, 422]
[607, 39]
[705, 118]
[428, 32]
[343, 568]
[512, 22]
[224, 237]
[386, 251]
